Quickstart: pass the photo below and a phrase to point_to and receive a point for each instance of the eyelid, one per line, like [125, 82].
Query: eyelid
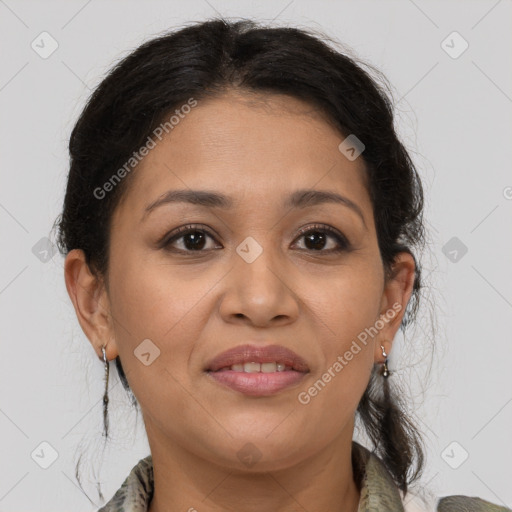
[183, 230]
[318, 227]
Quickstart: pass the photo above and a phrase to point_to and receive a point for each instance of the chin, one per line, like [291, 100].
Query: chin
[261, 453]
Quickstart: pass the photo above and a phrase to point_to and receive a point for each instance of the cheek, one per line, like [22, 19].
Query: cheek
[345, 309]
[345, 302]
[156, 303]
[153, 299]
[347, 360]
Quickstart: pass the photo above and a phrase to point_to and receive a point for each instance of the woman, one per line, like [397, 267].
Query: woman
[239, 226]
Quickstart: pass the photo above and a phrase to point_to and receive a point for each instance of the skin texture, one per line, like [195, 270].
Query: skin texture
[256, 149]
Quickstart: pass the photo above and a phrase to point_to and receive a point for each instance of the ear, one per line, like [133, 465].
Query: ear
[90, 299]
[397, 292]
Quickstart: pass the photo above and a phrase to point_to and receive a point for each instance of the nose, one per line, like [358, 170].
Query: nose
[259, 292]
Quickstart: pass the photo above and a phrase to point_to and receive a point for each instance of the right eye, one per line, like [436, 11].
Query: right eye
[193, 239]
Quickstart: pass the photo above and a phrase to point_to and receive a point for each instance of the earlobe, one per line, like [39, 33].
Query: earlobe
[88, 295]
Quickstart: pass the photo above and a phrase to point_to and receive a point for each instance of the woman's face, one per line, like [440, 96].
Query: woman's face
[248, 276]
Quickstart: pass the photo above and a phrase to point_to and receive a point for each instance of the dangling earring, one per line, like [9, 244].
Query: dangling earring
[105, 396]
[385, 371]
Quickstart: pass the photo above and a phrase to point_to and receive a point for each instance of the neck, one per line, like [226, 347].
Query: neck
[324, 481]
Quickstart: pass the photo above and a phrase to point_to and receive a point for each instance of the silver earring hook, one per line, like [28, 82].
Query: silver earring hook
[104, 354]
[385, 370]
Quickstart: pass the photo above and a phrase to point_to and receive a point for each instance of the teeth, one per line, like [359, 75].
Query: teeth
[268, 367]
[257, 367]
[252, 367]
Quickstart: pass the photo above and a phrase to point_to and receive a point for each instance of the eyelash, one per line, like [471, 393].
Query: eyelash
[343, 243]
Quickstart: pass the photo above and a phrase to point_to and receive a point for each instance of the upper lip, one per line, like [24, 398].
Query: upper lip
[258, 354]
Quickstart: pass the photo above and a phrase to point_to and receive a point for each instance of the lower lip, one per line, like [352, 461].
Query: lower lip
[257, 383]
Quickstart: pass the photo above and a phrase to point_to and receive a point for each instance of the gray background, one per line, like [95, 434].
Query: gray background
[453, 114]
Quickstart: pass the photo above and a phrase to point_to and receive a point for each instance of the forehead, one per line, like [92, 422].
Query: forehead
[249, 146]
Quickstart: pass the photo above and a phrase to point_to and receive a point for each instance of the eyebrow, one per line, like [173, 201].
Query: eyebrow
[302, 198]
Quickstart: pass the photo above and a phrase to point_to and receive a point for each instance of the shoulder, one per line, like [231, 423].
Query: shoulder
[453, 503]
[379, 491]
[136, 491]
[459, 503]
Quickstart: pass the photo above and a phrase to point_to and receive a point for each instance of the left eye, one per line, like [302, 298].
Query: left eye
[317, 236]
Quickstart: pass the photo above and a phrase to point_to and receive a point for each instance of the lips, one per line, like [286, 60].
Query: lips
[258, 354]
